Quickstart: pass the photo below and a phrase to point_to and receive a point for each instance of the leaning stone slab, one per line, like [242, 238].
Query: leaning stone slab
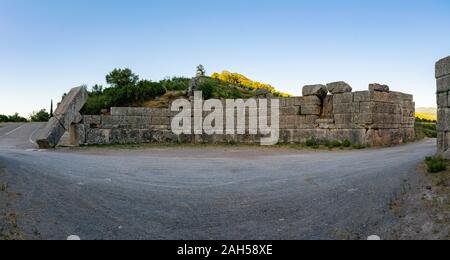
[339, 87]
[443, 67]
[379, 88]
[49, 137]
[67, 113]
[320, 91]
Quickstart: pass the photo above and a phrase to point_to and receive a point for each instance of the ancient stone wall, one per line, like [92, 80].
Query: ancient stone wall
[377, 117]
[443, 102]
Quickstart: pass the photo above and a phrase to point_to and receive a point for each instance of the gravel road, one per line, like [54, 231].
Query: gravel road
[204, 193]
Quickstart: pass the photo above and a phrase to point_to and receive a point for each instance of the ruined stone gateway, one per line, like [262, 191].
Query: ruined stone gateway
[377, 117]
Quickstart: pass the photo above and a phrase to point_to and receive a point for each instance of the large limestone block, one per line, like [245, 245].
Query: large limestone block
[320, 91]
[362, 96]
[443, 84]
[98, 136]
[343, 108]
[67, 113]
[311, 110]
[339, 87]
[310, 100]
[443, 119]
[343, 98]
[443, 67]
[442, 99]
[378, 87]
[49, 137]
[399, 96]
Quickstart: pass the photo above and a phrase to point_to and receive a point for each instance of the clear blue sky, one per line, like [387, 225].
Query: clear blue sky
[49, 46]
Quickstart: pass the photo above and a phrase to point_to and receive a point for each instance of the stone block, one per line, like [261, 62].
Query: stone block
[378, 96]
[443, 119]
[343, 108]
[443, 84]
[363, 118]
[325, 123]
[77, 134]
[339, 87]
[49, 137]
[65, 115]
[443, 67]
[98, 136]
[320, 91]
[443, 99]
[68, 111]
[294, 110]
[343, 98]
[378, 88]
[362, 96]
[310, 110]
[92, 121]
[343, 119]
[398, 96]
[327, 107]
[309, 100]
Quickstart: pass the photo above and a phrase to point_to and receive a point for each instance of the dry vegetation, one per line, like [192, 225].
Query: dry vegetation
[9, 229]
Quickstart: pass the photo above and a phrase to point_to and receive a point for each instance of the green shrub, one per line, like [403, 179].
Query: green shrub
[436, 164]
[333, 144]
[207, 89]
[12, 119]
[425, 129]
[175, 84]
[346, 143]
[359, 146]
[40, 116]
[3, 118]
[311, 142]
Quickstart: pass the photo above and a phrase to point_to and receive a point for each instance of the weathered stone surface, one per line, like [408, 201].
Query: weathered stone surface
[442, 99]
[310, 110]
[68, 112]
[49, 137]
[356, 116]
[362, 96]
[77, 134]
[65, 115]
[443, 84]
[98, 136]
[443, 67]
[343, 98]
[326, 123]
[339, 87]
[310, 100]
[320, 91]
[378, 87]
[443, 119]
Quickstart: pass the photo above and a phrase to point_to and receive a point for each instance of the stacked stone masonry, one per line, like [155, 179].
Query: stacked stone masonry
[443, 102]
[377, 117]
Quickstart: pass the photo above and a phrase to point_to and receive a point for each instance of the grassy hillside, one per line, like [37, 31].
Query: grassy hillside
[427, 113]
[125, 89]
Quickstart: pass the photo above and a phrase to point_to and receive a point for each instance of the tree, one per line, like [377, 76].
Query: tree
[40, 116]
[122, 78]
[51, 108]
[201, 71]
[16, 118]
[97, 89]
